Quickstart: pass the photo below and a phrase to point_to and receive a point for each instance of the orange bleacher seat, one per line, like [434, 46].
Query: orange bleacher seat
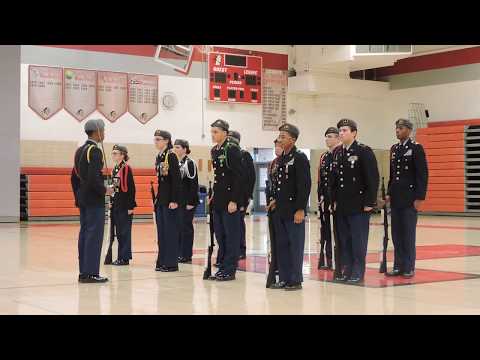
[445, 151]
[446, 180]
[50, 193]
[441, 130]
[455, 165]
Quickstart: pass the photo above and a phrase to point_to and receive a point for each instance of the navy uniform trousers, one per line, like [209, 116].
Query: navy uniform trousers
[90, 239]
[123, 230]
[227, 231]
[404, 226]
[290, 239]
[185, 248]
[167, 235]
[352, 231]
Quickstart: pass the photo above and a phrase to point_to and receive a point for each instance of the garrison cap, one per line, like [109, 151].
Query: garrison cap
[222, 124]
[94, 125]
[347, 122]
[331, 130]
[182, 143]
[121, 148]
[165, 134]
[404, 122]
[291, 129]
[234, 134]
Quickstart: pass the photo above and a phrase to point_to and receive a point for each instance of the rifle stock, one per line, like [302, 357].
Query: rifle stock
[383, 264]
[108, 257]
[336, 247]
[207, 274]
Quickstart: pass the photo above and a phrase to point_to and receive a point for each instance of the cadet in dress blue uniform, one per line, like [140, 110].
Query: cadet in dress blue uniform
[168, 197]
[290, 204]
[122, 203]
[355, 181]
[227, 198]
[89, 190]
[270, 190]
[249, 185]
[407, 188]
[323, 192]
[188, 199]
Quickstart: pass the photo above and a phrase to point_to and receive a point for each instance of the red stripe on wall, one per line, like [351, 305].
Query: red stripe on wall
[270, 60]
[431, 62]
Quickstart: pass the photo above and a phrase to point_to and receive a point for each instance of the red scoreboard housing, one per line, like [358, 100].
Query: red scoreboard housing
[235, 78]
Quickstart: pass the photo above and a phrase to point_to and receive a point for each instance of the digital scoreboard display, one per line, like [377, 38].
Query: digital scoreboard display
[235, 78]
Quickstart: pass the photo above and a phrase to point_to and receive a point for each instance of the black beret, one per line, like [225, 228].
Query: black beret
[331, 130]
[121, 148]
[291, 129]
[234, 134]
[165, 134]
[182, 143]
[404, 122]
[347, 122]
[222, 124]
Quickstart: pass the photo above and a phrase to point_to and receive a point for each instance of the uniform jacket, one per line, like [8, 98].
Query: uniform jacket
[250, 176]
[355, 178]
[189, 175]
[324, 173]
[124, 186]
[272, 178]
[408, 174]
[228, 174]
[169, 179]
[293, 184]
[87, 178]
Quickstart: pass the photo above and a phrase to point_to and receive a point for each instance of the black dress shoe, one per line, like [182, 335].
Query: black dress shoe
[294, 286]
[279, 285]
[408, 274]
[341, 278]
[394, 272]
[354, 280]
[90, 279]
[82, 276]
[120, 262]
[168, 268]
[218, 273]
[226, 277]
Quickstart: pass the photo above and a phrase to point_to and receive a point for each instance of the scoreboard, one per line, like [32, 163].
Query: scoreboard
[235, 78]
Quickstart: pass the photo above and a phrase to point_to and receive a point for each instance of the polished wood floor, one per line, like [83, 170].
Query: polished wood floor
[38, 275]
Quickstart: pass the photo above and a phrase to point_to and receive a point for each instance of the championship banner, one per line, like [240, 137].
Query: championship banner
[80, 92]
[143, 96]
[112, 94]
[45, 90]
[274, 107]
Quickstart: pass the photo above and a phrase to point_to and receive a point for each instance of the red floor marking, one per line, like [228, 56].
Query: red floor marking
[425, 252]
[450, 227]
[373, 278]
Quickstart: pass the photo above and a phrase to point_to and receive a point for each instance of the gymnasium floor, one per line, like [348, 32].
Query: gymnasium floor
[38, 275]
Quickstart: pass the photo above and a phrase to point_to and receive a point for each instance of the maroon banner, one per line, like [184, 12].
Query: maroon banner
[143, 96]
[80, 92]
[45, 90]
[112, 94]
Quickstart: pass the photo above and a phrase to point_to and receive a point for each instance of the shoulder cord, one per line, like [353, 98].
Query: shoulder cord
[85, 150]
[187, 171]
[123, 175]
